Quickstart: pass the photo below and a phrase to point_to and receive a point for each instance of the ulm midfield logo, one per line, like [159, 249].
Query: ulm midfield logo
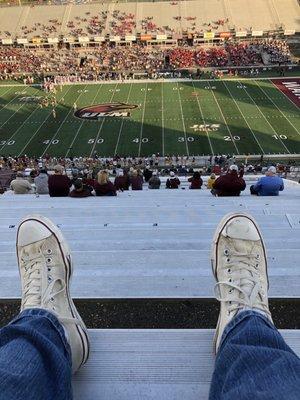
[105, 110]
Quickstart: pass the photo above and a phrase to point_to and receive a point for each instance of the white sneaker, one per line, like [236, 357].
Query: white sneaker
[45, 267]
[239, 265]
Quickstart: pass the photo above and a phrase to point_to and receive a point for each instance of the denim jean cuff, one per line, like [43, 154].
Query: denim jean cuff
[40, 312]
[241, 316]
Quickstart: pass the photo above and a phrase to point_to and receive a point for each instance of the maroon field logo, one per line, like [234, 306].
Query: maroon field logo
[105, 110]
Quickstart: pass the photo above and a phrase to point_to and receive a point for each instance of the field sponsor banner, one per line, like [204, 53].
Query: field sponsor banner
[225, 35]
[52, 40]
[241, 34]
[22, 41]
[209, 35]
[289, 32]
[105, 110]
[99, 39]
[115, 39]
[290, 87]
[83, 39]
[130, 38]
[257, 33]
[161, 37]
[7, 41]
[146, 37]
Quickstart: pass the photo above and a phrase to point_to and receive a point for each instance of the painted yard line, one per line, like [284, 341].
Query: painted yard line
[4, 123]
[3, 94]
[183, 123]
[162, 120]
[142, 121]
[39, 127]
[224, 119]
[203, 119]
[277, 108]
[80, 126]
[103, 120]
[238, 107]
[268, 122]
[60, 126]
[20, 126]
[9, 101]
[122, 123]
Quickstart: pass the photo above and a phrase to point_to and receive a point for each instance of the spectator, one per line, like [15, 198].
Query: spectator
[121, 182]
[136, 181]
[211, 181]
[147, 173]
[20, 185]
[230, 184]
[217, 169]
[80, 190]
[41, 182]
[59, 184]
[104, 186]
[172, 182]
[196, 181]
[269, 185]
[154, 181]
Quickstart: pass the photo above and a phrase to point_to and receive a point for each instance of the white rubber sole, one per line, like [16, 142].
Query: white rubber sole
[65, 251]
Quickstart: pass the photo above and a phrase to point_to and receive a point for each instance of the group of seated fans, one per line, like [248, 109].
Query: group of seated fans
[57, 184]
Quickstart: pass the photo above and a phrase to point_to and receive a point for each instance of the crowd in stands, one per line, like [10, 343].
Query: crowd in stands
[27, 176]
[91, 62]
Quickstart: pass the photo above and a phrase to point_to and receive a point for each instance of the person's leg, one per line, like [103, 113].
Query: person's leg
[48, 340]
[253, 191]
[253, 361]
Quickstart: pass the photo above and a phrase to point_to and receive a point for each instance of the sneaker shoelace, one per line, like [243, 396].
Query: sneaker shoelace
[33, 282]
[243, 268]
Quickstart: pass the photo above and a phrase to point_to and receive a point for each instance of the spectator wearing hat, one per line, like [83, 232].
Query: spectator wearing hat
[172, 182]
[196, 181]
[121, 182]
[20, 185]
[103, 186]
[269, 185]
[59, 184]
[211, 180]
[230, 184]
[41, 182]
[80, 190]
[136, 181]
[154, 181]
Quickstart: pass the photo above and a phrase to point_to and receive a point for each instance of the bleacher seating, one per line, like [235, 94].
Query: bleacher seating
[153, 244]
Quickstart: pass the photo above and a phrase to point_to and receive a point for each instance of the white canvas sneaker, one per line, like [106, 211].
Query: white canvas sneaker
[239, 264]
[45, 268]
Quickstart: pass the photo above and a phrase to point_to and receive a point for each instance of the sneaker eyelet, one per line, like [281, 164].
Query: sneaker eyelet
[229, 270]
[256, 266]
[228, 260]
[49, 260]
[228, 312]
[226, 252]
[49, 251]
[49, 279]
[230, 290]
[257, 256]
[49, 269]
[52, 299]
[229, 280]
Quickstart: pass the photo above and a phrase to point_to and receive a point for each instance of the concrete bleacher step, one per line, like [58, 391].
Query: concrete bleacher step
[151, 364]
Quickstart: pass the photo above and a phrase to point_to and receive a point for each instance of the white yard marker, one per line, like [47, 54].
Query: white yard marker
[266, 94]
[268, 122]
[80, 126]
[103, 120]
[224, 119]
[183, 123]
[38, 129]
[238, 107]
[203, 119]
[142, 121]
[122, 123]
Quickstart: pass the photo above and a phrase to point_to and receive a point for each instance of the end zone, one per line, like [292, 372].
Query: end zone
[290, 88]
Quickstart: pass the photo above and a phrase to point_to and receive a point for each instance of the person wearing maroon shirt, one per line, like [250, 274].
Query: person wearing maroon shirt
[230, 184]
[136, 181]
[196, 181]
[173, 182]
[121, 182]
[103, 186]
[59, 184]
[80, 190]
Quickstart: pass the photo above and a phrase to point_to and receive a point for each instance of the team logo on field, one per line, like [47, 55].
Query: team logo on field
[105, 110]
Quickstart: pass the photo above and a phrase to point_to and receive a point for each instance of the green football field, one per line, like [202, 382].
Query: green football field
[185, 118]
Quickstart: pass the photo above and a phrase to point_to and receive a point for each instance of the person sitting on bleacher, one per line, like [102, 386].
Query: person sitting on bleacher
[80, 190]
[136, 180]
[147, 173]
[154, 181]
[41, 182]
[196, 181]
[230, 184]
[20, 185]
[121, 181]
[269, 185]
[103, 186]
[59, 184]
[48, 341]
[172, 182]
[210, 181]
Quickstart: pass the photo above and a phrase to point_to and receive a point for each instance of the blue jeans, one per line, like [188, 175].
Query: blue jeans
[253, 362]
